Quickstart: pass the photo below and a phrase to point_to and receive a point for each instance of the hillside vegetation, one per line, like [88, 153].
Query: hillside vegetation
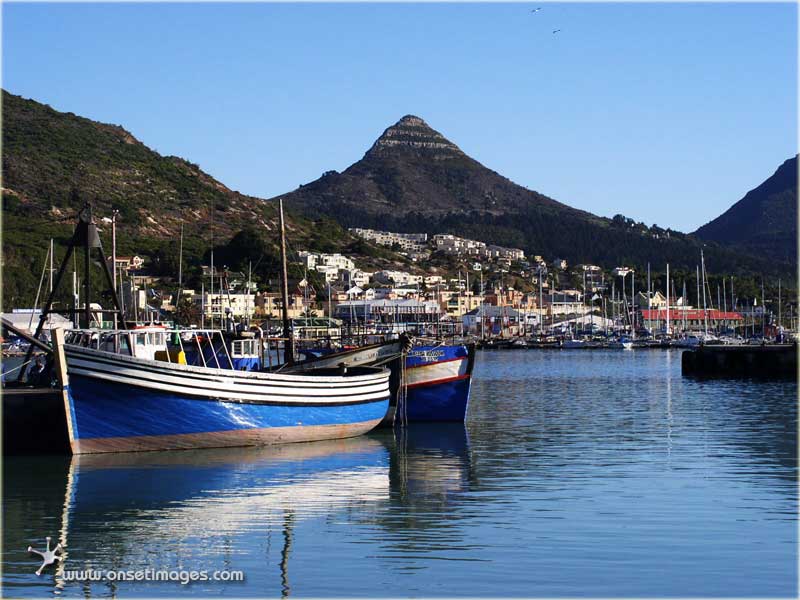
[53, 162]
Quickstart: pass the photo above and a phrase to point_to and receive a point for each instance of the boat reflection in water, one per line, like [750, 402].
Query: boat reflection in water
[206, 509]
[259, 510]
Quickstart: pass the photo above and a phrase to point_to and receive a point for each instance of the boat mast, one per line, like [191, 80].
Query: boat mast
[483, 316]
[703, 272]
[763, 312]
[288, 351]
[684, 306]
[668, 331]
[211, 293]
[697, 277]
[541, 316]
[633, 304]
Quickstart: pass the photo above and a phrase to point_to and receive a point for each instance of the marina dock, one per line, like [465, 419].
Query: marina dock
[775, 360]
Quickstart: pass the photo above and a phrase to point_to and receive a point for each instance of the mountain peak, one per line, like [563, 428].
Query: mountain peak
[414, 135]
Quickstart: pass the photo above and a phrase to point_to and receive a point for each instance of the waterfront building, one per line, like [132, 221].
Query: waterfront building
[385, 311]
[459, 304]
[565, 302]
[492, 320]
[219, 305]
[27, 319]
[269, 304]
[695, 318]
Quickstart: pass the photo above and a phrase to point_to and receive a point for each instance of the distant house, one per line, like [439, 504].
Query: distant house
[388, 311]
[127, 264]
[493, 320]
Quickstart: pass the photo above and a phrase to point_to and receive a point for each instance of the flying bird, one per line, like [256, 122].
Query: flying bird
[556, 30]
[535, 10]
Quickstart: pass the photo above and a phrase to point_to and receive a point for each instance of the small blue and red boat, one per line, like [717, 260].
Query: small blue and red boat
[437, 383]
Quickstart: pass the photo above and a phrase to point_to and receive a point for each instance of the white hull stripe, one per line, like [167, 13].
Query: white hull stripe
[229, 389]
[213, 374]
[427, 374]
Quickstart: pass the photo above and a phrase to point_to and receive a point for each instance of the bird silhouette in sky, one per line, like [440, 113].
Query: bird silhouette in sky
[535, 10]
[556, 30]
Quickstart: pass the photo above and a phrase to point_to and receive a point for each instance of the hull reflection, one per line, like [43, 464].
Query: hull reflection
[192, 509]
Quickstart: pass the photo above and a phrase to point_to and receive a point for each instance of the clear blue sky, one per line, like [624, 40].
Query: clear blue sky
[667, 113]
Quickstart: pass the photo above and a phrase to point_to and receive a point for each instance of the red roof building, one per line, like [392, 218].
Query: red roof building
[694, 317]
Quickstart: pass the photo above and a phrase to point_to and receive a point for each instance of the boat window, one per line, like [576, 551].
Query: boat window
[140, 339]
[123, 344]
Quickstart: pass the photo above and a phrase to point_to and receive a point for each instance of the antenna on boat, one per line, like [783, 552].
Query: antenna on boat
[287, 329]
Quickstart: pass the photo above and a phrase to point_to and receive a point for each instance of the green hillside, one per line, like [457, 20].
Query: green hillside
[53, 162]
[765, 220]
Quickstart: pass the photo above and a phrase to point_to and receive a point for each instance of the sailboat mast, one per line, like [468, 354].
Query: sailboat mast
[211, 295]
[725, 304]
[763, 312]
[703, 273]
[287, 329]
[697, 277]
[667, 332]
[633, 304]
[684, 306]
[541, 316]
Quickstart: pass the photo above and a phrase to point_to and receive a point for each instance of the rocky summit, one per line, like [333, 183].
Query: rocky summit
[413, 135]
[414, 179]
[413, 171]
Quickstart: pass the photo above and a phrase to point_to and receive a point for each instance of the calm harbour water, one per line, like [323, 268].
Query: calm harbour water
[578, 473]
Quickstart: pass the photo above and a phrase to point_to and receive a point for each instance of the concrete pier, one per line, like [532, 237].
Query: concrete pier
[771, 361]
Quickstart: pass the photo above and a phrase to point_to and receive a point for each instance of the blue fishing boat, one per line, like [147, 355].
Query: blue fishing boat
[437, 383]
[125, 395]
[429, 382]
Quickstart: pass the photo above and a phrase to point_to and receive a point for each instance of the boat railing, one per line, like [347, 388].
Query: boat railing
[124, 341]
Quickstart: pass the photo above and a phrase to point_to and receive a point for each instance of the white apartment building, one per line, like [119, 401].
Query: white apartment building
[400, 278]
[433, 280]
[354, 277]
[497, 252]
[216, 305]
[451, 244]
[410, 242]
[312, 260]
